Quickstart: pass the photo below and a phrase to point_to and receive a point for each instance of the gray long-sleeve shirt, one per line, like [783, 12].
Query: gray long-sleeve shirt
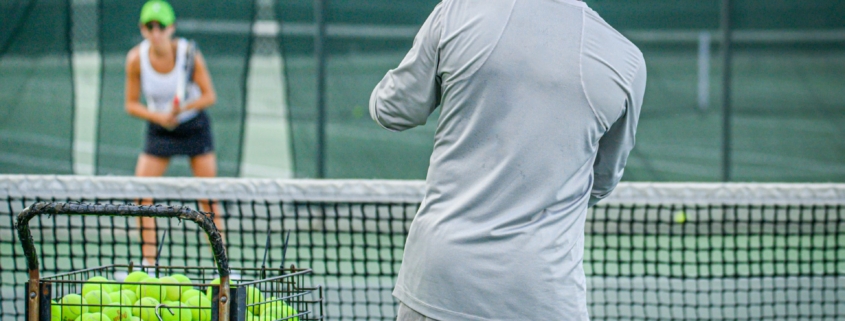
[539, 105]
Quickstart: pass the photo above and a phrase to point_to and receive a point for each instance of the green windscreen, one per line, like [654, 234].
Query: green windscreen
[221, 28]
[785, 98]
[36, 87]
[364, 39]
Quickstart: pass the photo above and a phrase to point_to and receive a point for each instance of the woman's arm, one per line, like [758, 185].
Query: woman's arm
[132, 94]
[203, 79]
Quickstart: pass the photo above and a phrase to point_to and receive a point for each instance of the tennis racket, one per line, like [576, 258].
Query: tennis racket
[185, 79]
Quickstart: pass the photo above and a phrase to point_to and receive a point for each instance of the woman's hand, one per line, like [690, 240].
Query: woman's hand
[166, 120]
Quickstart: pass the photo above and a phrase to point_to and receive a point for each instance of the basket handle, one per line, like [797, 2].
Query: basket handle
[180, 212]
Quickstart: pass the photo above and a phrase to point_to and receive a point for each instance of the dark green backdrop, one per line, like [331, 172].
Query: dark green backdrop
[787, 97]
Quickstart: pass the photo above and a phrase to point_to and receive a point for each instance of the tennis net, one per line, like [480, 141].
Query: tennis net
[679, 251]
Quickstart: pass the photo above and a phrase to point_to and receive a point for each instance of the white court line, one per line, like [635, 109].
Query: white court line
[86, 74]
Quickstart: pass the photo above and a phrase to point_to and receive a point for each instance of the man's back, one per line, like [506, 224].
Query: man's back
[537, 96]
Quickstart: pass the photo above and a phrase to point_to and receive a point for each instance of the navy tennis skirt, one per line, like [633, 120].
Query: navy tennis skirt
[191, 138]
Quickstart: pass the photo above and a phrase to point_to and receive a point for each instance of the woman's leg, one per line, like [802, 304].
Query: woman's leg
[205, 165]
[149, 166]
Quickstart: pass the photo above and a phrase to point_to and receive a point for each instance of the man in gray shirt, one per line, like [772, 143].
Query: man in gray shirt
[539, 105]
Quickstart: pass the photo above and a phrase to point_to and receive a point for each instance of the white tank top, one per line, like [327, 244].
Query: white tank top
[159, 89]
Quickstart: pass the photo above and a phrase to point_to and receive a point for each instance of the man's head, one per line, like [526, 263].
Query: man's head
[156, 22]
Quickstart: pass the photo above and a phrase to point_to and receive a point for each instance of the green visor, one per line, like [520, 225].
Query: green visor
[157, 10]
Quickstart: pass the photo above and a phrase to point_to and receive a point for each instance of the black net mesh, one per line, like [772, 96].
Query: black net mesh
[37, 97]
[222, 30]
[687, 260]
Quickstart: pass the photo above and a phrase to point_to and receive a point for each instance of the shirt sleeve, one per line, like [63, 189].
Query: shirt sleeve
[618, 141]
[407, 95]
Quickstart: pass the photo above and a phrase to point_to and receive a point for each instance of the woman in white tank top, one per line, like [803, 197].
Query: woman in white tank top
[175, 99]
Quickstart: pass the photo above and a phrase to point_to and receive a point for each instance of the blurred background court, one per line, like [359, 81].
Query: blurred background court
[62, 77]
[61, 113]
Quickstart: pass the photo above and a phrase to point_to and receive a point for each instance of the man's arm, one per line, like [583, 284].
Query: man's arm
[407, 95]
[617, 143]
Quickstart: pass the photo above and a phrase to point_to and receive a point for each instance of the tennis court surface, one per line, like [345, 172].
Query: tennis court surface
[743, 251]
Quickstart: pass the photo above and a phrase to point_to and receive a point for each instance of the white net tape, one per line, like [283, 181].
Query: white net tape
[51, 186]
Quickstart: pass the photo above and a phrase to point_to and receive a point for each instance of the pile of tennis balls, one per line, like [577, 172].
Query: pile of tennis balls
[106, 300]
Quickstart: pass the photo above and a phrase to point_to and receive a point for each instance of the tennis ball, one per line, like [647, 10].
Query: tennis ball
[175, 312]
[204, 305]
[680, 217]
[145, 309]
[94, 284]
[112, 286]
[183, 280]
[73, 306]
[151, 290]
[136, 276]
[120, 298]
[254, 298]
[170, 292]
[190, 294]
[270, 302]
[55, 311]
[97, 316]
[116, 313]
[123, 297]
[97, 299]
[280, 311]
[215, 281]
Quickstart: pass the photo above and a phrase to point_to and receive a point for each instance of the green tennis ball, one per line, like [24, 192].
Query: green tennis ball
[215, 281]
[175, 312]
[204, 305]
[680, 217]
[118, 312]
[151, 289]
[254, 298]
[270, 302]
[96, 300]
[96, 316]
[170, 292]
[136, 276]
[280, 310]
[120, 298]
[55, 311]
[145, 309]
[190, 294]
[130, 293]
[94, 284]
[112, 286]
[183, 280]
[72, 306]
